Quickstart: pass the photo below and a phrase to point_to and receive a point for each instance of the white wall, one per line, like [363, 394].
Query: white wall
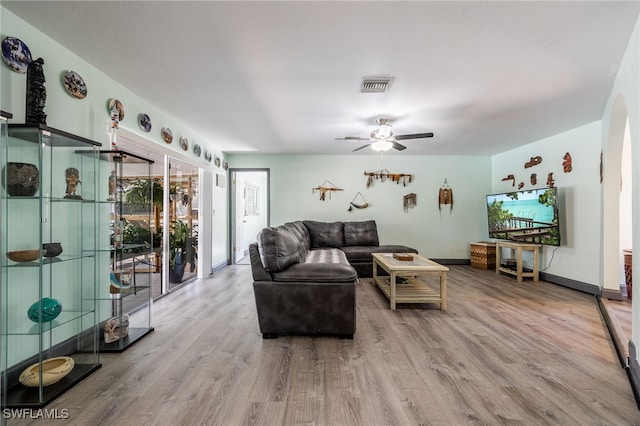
[442, 234]
[578, 257]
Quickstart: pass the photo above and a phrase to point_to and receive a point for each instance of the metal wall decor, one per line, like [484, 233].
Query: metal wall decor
[74, 84]
[324, 190]
[534, 161]
[16, 54]
[353, 204]
[36, 93]
[409, 201]
[384, 175]
[567, 163]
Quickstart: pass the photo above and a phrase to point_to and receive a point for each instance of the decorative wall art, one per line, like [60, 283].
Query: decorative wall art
[216, 161]
[116, 111]
[72, 177]
[533, 179]
[16, 54]
[384, 175]
[353, 204]
[74, 84]
[145, 122]
[184, 143]
[445, 196]
[550, 180]
[197, 150]
[167, 134]
[324, 189]
[511, 178]
[225, 165]
[566, 163]
[534, 161]
[36, 93]
[207, 155]
[409, 201]
[220, 180]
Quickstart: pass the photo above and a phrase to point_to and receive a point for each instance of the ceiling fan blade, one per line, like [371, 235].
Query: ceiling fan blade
[398, 146]
[362, 147]
[352, 138]
[414, 136]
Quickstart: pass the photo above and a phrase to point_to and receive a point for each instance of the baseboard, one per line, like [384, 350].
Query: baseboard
[633, 372]
[572, 284]
[613, 331]
[452, 261]
[220, 265]
[612, 294]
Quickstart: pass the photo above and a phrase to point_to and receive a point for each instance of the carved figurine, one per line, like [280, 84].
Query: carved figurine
[566, 163]
[409, 201]
[72, 176]
[36, 93]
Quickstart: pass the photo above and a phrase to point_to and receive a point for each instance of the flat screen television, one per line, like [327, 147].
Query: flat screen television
[529, 216]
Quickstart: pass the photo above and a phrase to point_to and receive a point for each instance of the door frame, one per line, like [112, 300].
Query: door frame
[232, 206]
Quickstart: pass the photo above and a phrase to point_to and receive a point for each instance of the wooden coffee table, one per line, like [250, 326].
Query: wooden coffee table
[415, 290]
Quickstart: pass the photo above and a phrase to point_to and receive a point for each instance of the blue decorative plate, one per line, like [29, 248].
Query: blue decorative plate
[16, 54]
[197, 150]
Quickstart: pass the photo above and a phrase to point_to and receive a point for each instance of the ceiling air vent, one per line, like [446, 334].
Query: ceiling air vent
[375, 85]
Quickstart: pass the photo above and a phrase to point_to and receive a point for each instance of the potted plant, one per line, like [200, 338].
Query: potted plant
[183, 248]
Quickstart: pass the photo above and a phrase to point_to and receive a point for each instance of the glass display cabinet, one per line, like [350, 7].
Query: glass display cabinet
[49, 232]
[127, 258]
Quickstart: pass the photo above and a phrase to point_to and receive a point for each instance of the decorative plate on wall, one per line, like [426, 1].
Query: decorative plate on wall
[197, 150]
[74, 84]
[225, 165]
[184, 143]
[16, 54]
[115, 103]
[217, 161]
[145, 122]
[167, 135]
[207, 156]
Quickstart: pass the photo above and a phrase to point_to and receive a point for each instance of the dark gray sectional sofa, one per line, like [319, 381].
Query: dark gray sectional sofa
[305, 275]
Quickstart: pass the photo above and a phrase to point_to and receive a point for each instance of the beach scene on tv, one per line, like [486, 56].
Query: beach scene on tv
[525, 216]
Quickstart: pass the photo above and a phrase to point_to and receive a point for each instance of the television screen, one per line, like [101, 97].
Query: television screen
[529, 216]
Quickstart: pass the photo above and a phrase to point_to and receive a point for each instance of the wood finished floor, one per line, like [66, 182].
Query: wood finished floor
[504, 353]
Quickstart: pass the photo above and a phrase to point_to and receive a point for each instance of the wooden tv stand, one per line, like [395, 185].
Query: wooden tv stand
[518, 248]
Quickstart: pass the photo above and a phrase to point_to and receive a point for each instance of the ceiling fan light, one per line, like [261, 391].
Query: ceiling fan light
[381, 145]
[384, 131]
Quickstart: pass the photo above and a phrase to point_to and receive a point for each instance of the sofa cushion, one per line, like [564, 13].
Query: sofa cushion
[301, 232]
[358, 254]
[325, 234]
[317, 273]
[279, 248]
[363, 233]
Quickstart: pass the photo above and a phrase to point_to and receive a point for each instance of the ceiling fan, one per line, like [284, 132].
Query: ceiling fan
[383, 139]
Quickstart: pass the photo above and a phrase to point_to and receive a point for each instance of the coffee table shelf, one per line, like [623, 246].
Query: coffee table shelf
[415, 290]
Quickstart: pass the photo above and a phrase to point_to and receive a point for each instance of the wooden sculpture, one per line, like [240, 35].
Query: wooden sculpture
[511, 178]
[324, 190]
[384, 175]
[353, 205]
[445, 195]
[534, 161]
[566, 163]
[72, 176]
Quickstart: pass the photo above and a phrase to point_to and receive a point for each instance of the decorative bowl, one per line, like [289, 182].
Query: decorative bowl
[50, 309]
[51, 249]
[23, 255]
[23, 179]
[53, 370]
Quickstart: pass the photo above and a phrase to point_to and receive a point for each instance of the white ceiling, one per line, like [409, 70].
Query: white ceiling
[284, 77]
